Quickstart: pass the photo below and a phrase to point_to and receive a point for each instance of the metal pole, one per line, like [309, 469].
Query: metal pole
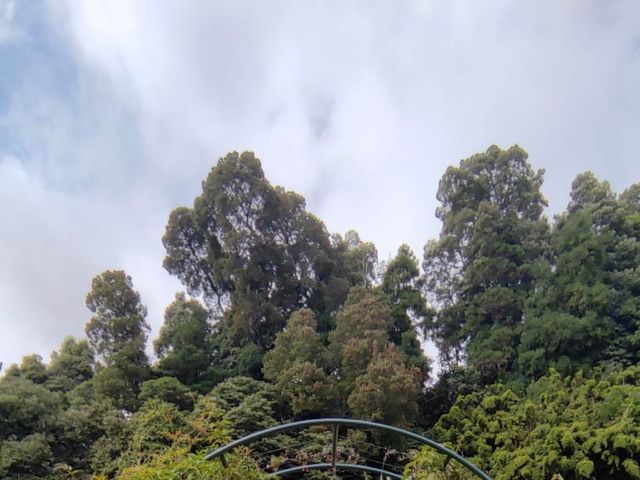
[334, 450]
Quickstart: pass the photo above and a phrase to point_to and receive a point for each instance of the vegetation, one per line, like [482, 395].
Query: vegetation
[537, 322]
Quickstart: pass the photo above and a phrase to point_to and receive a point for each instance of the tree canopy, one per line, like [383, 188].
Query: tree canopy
[253, 251]
[537, 322]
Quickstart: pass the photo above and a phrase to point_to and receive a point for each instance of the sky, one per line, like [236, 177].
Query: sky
[112, 113]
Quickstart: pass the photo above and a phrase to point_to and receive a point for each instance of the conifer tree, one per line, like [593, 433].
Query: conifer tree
[117, 334]
[482, 269]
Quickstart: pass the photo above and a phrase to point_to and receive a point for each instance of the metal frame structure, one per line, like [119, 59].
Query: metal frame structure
[337, 466]
[336, 423]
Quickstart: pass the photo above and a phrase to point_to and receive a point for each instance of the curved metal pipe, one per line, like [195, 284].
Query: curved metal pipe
[339, 466]
[348, 423]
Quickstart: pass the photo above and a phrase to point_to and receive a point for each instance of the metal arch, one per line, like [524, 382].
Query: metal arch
[336, 422]
[339, 466]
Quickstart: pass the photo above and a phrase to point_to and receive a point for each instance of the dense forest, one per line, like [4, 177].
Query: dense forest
[537, 322]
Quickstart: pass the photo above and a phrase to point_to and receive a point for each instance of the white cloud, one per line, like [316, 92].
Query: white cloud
[8, 32]
[359, 106]
[417, 88]
[55, 242]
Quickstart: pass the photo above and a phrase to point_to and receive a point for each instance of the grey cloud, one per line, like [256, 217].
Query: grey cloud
[53, 243]
[359, 106]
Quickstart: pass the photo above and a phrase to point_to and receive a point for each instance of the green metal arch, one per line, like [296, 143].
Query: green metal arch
[338, 466]
[336, 423]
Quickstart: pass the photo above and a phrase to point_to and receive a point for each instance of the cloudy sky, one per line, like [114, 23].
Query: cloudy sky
[112, 113]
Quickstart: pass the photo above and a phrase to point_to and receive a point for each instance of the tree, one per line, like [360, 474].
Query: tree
[70, 366]
[359, 258]
[117, 335]
[249, 405]
[576, 427]
[253, 251]
[402, 287]
[626, 279]
[154, 428]
[568, 327]
[481, 270]
[309, 389]
[402, 290]
[361, 330]
[167, 443]
[388, 391]
[106, 452]
[587, 310]
[25, 408]
[179, 443]
[75, 430]
[297, 363]
[440, 396]
[299, 342]
[30, 368]
[27, 417]
[169, 390]
[185, 344]
[364, 311]
[27, 458]
[623, 277]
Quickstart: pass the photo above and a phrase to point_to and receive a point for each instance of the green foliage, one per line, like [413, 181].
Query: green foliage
[575, 427]
[587, 311]
[185, 344]
[297, 366]
[33, 369]
[70, 366]
[248, 405]
[167, 444]
[401, 290]
[75, 430]
[428, 464]
[27, 458]
[116, 384]
[206, 427]
[154, 429]
[503, 296]
[119, 317]
[560, 341]
[25, 408]
[167, 389]
[107, 450]
[481, 270]
[179, 466]
[361, 330]
[309, 389]
[41, 433]
[117, 334]
[298, 343]
[251, 249]
[388, 391]
[83, 394]
[440, 397]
